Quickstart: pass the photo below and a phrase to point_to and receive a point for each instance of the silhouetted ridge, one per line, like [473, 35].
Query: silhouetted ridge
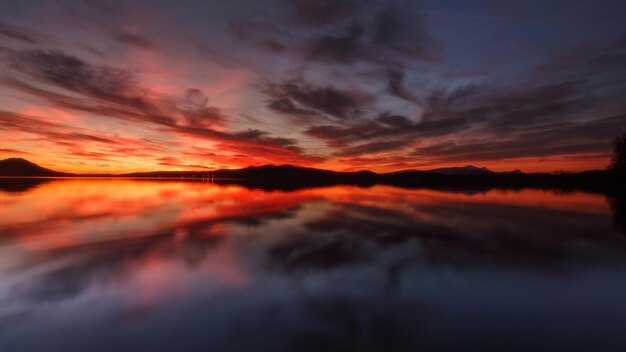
[286, 177]
[289, 176]
[22, 167]
[469, 170]
[465, 170]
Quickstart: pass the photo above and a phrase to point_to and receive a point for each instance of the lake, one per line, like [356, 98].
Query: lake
[139, 265]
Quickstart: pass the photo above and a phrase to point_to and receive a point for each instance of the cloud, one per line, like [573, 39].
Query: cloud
[344, 32]
[262, 34]
[136, 40]
[12, 151]
[397, 88]
[115, 92]
[300, 99]
[559, 139]
[374, 85]
[501, 109]
[102, 83]
[487, 122]
[17, 33]
[395, 29]
[197, 113]
[387, 132]
[344, 48]
[386, 38]
[564, 91]
[323, 12]
[441, 99]
[59, 134]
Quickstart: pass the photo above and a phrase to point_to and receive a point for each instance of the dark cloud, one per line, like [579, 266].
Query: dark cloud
[440, 100]
[323, 12]
[102, 83]
[385, 133]
[389, 36]
[346, 32]
[501, 109]
[344, 48]
[522, 120]
[110, 91]
[11, 122]
[537, 96]
[301, 99]
[397, 88]
[389, 125]
[563, 138]
[538, 116]
[383, 39]
[133, 39]
[273, 45]
[197, 113]
[17, 33]
[114, 92]
[401, 31]
[262, 34]
[601, 65]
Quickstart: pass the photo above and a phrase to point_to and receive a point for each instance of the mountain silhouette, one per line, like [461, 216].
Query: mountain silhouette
[274, 176]
[22, 167]
[465, 170]
[469, 170]
[286, 177]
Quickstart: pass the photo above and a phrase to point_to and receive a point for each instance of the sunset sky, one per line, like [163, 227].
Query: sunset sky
[123, 86]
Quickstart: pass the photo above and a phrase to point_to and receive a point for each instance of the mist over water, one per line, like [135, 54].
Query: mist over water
[129, 265]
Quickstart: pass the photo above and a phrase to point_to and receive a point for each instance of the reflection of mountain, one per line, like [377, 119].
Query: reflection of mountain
[17, 185]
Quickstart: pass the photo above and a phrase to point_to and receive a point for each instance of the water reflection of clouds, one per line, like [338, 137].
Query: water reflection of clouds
[332, 268]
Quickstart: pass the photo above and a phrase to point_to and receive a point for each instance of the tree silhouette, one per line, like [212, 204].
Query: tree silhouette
[618, 161]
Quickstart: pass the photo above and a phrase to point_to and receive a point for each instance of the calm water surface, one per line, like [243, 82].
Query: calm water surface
[122, 265]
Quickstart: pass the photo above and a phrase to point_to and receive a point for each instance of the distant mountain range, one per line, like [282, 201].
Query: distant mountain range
[470, 170]
[23, 167]
[462, 171]
[286, 177]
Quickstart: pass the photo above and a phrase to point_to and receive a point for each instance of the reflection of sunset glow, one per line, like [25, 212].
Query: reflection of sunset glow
[150, 250]
[87, 211]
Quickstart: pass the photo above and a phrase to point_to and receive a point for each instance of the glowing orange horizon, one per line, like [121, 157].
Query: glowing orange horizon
[554, 164]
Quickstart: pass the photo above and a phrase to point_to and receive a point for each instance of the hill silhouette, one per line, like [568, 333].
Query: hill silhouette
[465, 170]
[274, 176]
[23, 167]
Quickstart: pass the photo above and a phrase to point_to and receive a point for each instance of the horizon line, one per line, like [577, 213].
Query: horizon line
[125, 173]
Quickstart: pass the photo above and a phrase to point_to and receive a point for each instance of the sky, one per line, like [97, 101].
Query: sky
[124, 86]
